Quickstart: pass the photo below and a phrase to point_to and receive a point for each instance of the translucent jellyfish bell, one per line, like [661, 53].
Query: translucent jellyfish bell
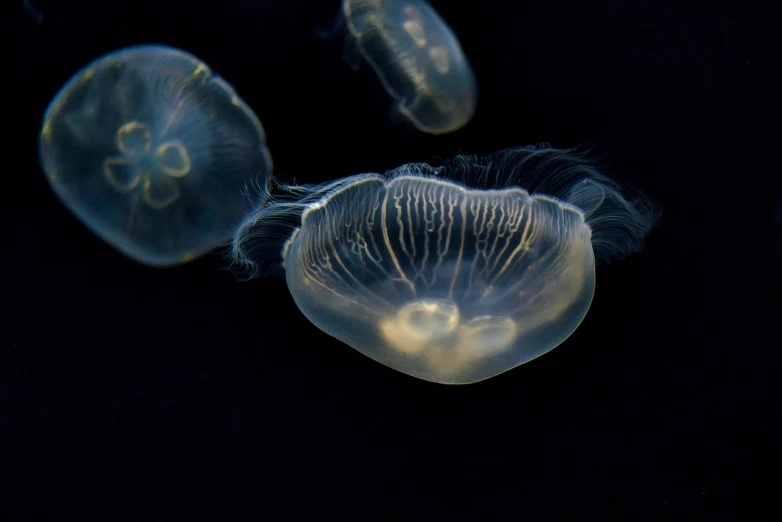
[444, 282]
[417, 58]
[152, 152]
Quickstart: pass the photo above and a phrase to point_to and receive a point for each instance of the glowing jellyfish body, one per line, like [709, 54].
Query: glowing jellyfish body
[418, 60]
[151, 151]
[448, 283]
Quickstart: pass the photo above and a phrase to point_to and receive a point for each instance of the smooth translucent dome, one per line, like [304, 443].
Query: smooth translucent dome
[151, 151]
[447, 283]
[418, 60]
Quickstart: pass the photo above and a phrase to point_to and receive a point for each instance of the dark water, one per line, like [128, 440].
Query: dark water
[129, 393]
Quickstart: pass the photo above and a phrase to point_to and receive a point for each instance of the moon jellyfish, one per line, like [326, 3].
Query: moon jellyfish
[417, 58]
[152, 151]
[452, 274]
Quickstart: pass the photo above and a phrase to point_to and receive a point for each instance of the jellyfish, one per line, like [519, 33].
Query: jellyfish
[417, 58]
[32, 11]
[152, 152]
[451, 274]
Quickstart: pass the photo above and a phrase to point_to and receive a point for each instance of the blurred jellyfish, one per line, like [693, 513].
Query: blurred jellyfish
[32, 11]
[416, 57]
[441, 281]
[152, 152]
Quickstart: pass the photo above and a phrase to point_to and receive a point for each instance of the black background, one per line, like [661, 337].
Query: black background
[130, 393]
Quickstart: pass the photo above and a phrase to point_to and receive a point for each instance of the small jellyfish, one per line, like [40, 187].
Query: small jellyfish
[444, 282]
[32, 10]
[152, 151]
[416, 57]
